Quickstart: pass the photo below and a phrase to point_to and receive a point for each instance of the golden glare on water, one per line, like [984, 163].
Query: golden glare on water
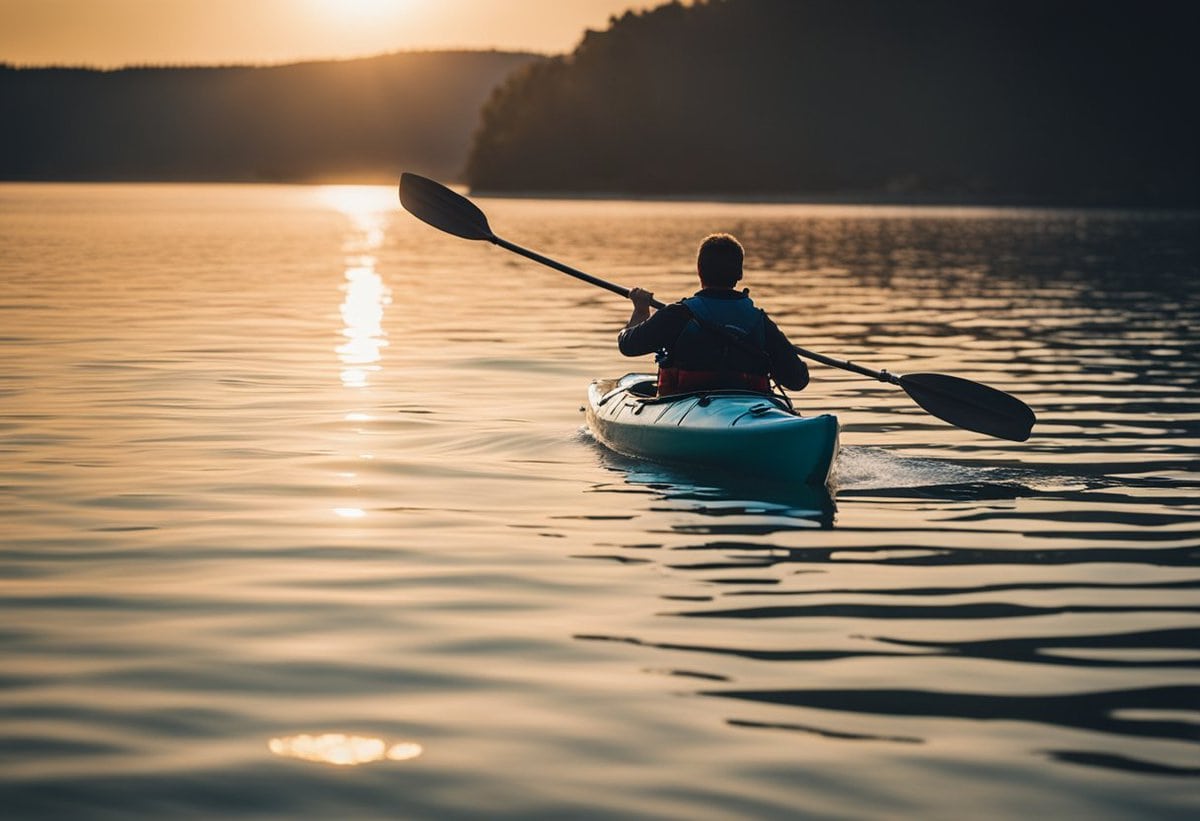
[366, 295]
[362, 313]
[363, 200]
[342, 750]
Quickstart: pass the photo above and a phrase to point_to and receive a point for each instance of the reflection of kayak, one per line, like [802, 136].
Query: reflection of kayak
[738, 431]
[721, 495]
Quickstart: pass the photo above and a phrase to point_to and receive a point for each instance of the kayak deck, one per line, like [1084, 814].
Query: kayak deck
[736, 431]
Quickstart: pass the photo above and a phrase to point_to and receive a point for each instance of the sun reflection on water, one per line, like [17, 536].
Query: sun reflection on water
[362, 313]
[366, 295]
[367, 206]
[342, 750]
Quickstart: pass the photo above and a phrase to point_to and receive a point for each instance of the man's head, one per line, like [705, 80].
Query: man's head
[719, 261]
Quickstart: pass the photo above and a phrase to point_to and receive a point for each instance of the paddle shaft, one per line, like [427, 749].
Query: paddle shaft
[566, 269]
[882, 376]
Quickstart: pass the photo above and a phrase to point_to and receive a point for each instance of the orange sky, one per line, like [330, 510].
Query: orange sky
[108, 33]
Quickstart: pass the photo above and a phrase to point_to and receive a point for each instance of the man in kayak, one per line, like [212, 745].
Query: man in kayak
[716, 338]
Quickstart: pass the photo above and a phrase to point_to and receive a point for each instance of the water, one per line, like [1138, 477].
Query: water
[291, 479]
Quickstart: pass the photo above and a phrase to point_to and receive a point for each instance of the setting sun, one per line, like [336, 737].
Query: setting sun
[114, 33]
[362, 11]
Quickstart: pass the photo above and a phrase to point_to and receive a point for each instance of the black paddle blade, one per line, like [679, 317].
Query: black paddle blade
[971, 405]
[434, 203]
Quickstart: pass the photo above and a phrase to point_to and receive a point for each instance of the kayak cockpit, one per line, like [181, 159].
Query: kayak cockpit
[643, 388]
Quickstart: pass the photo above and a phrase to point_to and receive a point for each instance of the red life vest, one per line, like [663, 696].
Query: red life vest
[681, 380]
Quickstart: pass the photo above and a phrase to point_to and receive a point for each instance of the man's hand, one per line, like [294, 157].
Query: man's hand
[641, 306]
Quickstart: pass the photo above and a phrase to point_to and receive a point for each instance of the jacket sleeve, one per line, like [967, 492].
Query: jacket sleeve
[787, 367]
[658, 332]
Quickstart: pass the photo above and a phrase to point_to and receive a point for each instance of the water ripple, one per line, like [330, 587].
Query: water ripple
[284, 474]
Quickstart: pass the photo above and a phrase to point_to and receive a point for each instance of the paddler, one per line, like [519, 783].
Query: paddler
[716, 338]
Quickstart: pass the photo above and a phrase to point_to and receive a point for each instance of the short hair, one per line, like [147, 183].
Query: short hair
[719, 261]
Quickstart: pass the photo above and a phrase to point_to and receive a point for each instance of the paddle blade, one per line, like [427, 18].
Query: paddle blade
[970, 405]
[435, 204]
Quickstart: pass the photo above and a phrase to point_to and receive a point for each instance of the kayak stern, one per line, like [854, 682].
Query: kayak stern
[739, 432]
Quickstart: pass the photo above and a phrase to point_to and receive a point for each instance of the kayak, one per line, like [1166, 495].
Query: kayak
[736, 431]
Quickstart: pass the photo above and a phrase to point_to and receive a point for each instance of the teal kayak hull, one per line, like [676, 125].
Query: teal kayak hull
[741, 432]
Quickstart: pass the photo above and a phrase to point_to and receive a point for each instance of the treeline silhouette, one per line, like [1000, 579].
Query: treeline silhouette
[1071, 101]
[346, 120]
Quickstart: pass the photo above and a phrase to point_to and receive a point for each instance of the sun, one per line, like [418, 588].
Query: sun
[361, 11]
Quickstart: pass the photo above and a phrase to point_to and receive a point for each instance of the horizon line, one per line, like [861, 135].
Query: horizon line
[18, 66]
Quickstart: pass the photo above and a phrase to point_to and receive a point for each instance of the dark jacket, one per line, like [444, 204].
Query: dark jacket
[661, 334]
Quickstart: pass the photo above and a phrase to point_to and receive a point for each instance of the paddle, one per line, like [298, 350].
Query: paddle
[960, 402]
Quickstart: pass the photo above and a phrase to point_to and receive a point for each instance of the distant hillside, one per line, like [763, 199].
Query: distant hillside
[347, 120]
[1072, 101]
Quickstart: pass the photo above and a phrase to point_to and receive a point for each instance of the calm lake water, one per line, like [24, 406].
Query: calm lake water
[300, 519]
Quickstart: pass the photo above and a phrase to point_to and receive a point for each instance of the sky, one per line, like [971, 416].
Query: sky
[110, 33]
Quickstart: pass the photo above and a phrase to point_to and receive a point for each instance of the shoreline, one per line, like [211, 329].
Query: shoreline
[833, 198]
[846, 198]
